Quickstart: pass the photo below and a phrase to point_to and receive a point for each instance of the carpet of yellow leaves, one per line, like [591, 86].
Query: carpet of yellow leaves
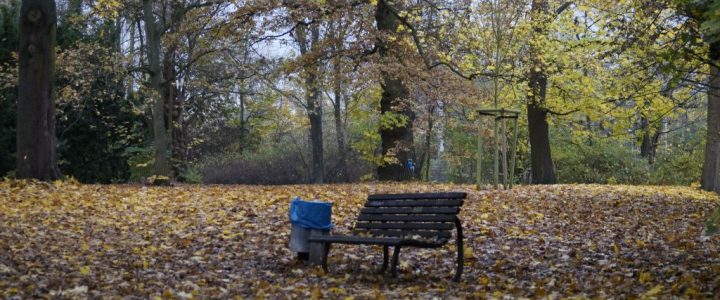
[69, 240]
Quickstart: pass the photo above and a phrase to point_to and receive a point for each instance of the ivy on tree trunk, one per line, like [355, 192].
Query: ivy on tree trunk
[397, 141]
[162, 166]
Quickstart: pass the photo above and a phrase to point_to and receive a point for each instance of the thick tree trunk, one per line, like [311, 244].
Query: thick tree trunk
[313, 104]
[162, 167]
[397, 142]
[649, 141]
[316, 133]
[710, 180]
[541, 164]
[36, 141]
[645, 138]
[172, 112]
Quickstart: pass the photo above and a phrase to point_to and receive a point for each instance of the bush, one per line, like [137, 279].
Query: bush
[191, 175]
[265, 167]
[141, 163]
[604, 161]
[680, 164]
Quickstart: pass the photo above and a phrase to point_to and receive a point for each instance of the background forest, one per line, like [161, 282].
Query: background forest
[277, 92]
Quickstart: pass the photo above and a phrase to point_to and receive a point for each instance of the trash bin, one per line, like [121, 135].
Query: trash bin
[308, 218]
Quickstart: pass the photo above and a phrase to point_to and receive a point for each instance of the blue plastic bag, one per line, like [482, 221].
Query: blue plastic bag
[311, 214]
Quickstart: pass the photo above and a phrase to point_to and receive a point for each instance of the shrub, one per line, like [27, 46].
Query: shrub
[191, 175]
[141, 163]
[604, 161]
[272, 166]
[680, 164]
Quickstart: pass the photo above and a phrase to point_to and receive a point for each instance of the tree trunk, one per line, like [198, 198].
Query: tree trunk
[313, 104]
[172, 112]
[541, 164]
[129, 82]
[424, 164]
[710, 180]
[397, 142]
[36, 141]
[162, 167]
[648, 142]
[339, 129]
[645, 138]
[243, 122]
[338, 35]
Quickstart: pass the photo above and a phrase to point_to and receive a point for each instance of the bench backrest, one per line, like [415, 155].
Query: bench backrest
[429, 215]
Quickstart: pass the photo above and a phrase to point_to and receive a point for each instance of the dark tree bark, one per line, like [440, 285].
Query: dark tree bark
[243, 121]
[398, 141]
[423, 165]
[541, 164]
[710, 179]
[313, 104]
[340, 128]
[162, 166]
[649, 140]
[36, 141]
[173, 119]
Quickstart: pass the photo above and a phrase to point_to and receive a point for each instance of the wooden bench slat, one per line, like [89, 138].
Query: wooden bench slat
[424, 202]
[417, 218]
[430, 226]
[411, 210]
[407, 233]
[453, 195]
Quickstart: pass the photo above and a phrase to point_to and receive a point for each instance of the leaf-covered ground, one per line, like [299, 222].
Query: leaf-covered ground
[74, 241]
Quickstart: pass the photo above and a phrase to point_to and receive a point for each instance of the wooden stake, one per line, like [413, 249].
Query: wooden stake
[496, 163]
[513, 153]
[504, 151]
[478, 164]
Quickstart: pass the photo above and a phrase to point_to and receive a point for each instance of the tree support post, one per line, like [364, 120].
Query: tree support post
[478, 164]
[512, 151]
[500, 145]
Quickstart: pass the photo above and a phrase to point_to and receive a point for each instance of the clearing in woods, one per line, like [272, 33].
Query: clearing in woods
[72, 240]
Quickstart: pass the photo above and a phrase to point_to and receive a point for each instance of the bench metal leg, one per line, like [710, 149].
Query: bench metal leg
[303, 256]
[385, 260]
[393, 268]
[326, 251]
[460, 251]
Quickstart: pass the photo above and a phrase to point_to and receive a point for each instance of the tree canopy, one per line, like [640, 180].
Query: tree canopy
[329, 91]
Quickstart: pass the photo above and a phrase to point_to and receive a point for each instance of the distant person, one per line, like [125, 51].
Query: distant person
[411, 167]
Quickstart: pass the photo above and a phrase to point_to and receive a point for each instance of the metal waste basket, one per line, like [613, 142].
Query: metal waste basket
[308, 218]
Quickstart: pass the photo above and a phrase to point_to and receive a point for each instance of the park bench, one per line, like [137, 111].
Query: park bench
[404, 220]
